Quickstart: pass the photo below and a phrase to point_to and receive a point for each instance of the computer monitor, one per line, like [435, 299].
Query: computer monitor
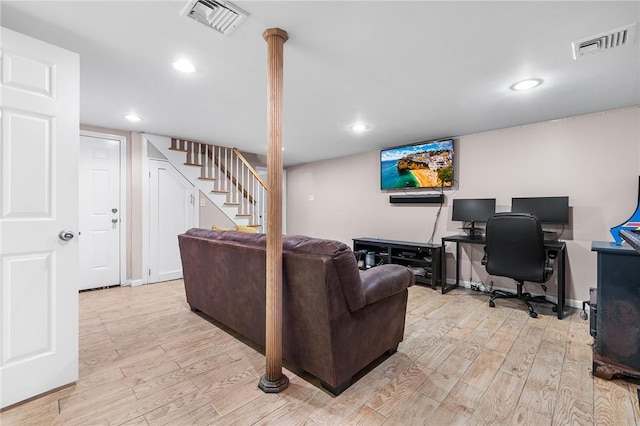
[473, 210]
[550, 210]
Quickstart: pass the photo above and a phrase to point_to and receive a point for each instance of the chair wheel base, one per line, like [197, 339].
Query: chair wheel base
[492, 304]
[533, 314]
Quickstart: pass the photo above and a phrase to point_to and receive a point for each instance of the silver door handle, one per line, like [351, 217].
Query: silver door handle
[65, 235]
[114, 220]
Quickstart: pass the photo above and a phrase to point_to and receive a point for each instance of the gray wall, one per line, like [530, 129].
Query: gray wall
[595, 159]
[211, 215]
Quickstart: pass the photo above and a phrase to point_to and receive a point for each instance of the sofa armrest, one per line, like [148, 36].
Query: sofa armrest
[384, 281]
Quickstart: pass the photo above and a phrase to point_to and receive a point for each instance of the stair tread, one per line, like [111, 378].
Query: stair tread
[231, 204]
[243, 215]
[193, 164]
[178, 149]
[219, 192]
[206, 178]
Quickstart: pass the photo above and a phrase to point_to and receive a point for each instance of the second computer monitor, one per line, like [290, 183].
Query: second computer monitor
[551, 210]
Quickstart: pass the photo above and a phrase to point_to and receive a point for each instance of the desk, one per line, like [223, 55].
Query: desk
[560, 246]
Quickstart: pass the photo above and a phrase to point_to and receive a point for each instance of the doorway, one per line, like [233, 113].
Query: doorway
[101, 211]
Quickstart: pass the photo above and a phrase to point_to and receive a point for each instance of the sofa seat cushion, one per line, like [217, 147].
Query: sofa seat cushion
[384, 281]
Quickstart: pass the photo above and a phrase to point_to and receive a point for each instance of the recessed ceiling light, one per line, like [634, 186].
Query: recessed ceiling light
[132, 117]
[527, 84]
[184, 66]
[359, 128]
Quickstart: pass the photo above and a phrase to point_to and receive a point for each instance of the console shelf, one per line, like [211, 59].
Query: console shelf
[423, 258]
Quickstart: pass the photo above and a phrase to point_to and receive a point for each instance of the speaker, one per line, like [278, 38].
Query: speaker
[417, 199]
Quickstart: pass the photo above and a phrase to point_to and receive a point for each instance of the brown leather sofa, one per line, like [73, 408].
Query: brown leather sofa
[336, 318]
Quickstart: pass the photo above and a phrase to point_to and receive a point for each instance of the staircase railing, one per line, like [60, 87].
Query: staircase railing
[231, 175]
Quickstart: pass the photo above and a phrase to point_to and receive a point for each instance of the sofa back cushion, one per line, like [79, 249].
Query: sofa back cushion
[344, 263]
[255, 239]
[343, 260]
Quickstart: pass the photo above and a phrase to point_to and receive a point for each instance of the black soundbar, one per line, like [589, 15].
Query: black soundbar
[417, 199]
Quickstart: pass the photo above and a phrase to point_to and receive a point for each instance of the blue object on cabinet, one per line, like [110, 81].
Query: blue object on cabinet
[632, 224]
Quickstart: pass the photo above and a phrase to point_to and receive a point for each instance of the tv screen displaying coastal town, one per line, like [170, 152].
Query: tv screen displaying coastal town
[423, 165]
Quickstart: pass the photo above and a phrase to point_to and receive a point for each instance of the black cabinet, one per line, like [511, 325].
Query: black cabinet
[616, 350]
[422, 258]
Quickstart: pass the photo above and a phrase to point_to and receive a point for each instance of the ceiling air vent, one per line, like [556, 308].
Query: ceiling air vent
[605, 41]
[222, 16]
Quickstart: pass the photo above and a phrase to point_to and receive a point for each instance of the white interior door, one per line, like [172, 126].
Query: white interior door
[38, 200]
[171, 212]
[99, 229]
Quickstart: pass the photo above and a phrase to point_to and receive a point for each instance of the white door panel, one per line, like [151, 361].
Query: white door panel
[99, 241]
[171, 211]
[38, 199]
[28, 140]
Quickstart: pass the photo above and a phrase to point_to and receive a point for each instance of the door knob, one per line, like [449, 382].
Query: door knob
[114, 210]
[114, 220]
[65, 235]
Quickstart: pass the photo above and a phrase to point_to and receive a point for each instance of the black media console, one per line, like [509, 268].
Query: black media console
[422, 258]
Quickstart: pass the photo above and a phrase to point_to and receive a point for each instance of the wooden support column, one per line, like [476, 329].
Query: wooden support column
[274, 381]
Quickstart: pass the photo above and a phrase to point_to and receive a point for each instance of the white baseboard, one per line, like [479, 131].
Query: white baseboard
[136, 283]
[568, 302]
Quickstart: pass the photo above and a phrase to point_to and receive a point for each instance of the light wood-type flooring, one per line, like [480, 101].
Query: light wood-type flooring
[145, 358]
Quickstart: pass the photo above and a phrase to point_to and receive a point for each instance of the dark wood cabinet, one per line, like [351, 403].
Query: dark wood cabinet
[424, 259]
[616, 351]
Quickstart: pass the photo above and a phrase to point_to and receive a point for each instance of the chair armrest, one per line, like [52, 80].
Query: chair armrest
[485, 257]
[384, 281]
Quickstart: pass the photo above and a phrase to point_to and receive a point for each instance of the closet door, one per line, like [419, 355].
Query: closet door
[171, 212]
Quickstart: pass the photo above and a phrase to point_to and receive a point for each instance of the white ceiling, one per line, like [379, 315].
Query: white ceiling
[413, 71]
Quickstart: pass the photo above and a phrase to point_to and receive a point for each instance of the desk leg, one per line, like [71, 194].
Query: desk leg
[446, 288]
[443, 266]
[561, 283]
[457, 264]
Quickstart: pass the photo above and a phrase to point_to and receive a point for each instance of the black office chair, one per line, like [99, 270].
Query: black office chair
[515, 249]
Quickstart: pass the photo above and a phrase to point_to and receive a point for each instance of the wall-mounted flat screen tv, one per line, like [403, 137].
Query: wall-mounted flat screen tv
[421, 165]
